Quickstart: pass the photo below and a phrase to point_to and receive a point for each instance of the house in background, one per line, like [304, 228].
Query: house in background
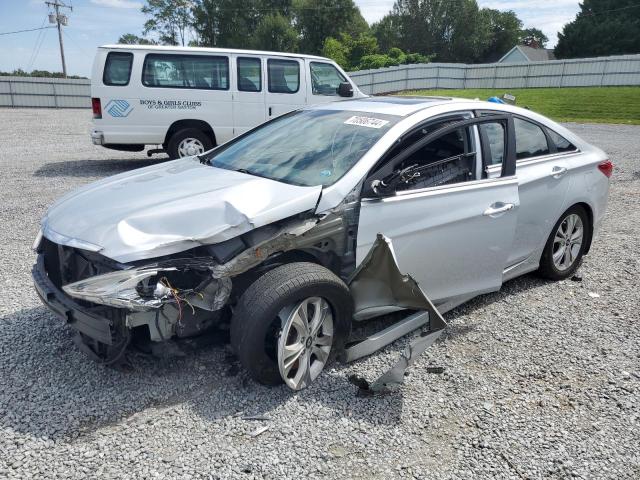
[524, 54]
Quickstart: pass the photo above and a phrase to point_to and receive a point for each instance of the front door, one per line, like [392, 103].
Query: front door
[286, 88]
[450, 228]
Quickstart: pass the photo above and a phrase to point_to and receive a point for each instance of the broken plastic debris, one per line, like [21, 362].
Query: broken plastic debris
[593, 295]
[259, 431]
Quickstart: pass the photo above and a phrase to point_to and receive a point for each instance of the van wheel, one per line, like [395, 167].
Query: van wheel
[566, 244]
[291, 323]
[188, 142]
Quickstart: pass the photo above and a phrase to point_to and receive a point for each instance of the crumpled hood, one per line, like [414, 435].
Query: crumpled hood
[170, 207]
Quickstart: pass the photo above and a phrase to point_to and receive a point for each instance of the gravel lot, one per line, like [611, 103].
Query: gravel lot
[541, 379]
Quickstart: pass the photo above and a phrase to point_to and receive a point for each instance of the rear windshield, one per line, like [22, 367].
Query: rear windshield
[307, 147]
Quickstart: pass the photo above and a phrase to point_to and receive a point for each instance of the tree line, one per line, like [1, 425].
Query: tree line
[414, 31]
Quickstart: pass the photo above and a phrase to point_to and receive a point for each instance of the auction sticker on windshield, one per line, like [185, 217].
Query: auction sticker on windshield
[366, 122]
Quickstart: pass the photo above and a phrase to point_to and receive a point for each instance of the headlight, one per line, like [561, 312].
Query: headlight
[36, 242]
[119, 289]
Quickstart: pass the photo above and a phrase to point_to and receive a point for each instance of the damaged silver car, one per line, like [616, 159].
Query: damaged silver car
[294, 232]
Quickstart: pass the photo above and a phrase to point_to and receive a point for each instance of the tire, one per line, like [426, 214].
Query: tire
[256, 327]
[173, 147]
[548, 267]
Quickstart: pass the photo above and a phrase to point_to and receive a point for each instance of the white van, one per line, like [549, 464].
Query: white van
[188, 100]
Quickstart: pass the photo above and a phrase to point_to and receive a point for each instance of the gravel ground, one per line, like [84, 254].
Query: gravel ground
[541, 379]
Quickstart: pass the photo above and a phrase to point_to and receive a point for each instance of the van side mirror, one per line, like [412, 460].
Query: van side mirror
[345, 89]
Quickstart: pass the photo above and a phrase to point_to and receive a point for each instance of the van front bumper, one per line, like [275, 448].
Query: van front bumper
[97, 137]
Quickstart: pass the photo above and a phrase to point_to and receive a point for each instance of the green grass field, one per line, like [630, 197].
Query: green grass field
[584, 105]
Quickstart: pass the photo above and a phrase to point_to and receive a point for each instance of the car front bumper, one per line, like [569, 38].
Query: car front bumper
[77, 316]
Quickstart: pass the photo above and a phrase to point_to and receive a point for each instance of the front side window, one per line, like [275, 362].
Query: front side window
[561, 143]
[284, 76]
[249, 75]
[186, 71]
[306, 147]
[530, 140]
[325, 79]
[495, 137]
[117, 69]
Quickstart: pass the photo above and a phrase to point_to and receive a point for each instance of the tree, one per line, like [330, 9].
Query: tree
[387, 32]
[222, 23]
[131, 39]
[337, 51]
[317, 20]
[504, 31]
[170, 19]
[274, 32]
[532, 37]
[602, 27]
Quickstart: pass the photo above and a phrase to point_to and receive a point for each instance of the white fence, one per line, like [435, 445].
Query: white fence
[582, 72]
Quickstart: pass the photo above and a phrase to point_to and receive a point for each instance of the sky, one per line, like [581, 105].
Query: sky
[98, 22]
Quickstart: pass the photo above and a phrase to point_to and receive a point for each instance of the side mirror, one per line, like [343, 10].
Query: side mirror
[345, 89]
[378, 188]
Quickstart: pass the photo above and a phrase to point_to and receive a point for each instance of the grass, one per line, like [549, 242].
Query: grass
[583, 105]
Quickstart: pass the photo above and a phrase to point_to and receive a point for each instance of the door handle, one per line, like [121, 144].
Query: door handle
[269, 111]
[497, 209]
[558, 172]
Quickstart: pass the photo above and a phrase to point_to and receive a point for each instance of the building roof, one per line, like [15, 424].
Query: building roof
[532, 54]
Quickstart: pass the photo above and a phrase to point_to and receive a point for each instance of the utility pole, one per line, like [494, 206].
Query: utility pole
[60, 20]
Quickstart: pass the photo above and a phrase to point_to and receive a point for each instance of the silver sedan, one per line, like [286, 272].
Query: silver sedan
[294, 232]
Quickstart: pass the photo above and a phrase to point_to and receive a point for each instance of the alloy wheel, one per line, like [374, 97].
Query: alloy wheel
[305, 341]
[567, 242]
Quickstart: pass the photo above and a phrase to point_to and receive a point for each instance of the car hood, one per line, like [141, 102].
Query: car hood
[170, 207]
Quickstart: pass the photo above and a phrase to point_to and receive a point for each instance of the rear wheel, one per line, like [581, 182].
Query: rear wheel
[290, 324]
[188, 142]
[565, 246]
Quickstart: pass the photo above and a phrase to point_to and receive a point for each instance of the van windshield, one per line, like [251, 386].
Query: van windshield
[307, 147]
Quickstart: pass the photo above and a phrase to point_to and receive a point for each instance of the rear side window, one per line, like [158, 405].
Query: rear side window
[325, 79]
[117, 69]
[186, 71]
[530, 140]
[284, 76]
[495, 137]
[249, 75]
[561, 143]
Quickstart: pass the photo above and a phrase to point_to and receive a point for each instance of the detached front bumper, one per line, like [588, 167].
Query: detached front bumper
[81, 318]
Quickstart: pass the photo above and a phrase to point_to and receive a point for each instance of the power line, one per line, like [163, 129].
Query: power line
[591, 14]
[28, 30]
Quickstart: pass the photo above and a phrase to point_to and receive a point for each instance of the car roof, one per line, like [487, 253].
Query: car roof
[391, 105]
[220, 51]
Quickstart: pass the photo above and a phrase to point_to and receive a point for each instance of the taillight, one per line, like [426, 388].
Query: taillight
[97, 108]
[606, 167]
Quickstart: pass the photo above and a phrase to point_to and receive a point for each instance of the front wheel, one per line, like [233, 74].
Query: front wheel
[188, 142]
[291, 323]
[566, 245]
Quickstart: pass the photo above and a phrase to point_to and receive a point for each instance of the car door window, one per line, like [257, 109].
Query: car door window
[494, 135]
[561, 143]
[284, 76]
[249, 74]
[530, 140]
[325, 78]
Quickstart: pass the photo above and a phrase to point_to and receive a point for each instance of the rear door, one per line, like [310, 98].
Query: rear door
[249, 94]
[286, 86]
[451, 229]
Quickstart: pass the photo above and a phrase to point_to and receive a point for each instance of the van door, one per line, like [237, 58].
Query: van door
[249, 96]
[286, 86]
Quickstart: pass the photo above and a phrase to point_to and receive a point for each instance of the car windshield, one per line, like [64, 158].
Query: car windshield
[307, 147]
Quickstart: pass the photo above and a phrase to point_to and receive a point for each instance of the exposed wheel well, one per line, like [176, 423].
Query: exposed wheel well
[182, 124]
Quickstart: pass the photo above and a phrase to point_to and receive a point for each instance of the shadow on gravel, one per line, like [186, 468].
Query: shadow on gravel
[51, 389]
[94, 168]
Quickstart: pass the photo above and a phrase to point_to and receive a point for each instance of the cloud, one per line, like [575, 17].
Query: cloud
[117, 3]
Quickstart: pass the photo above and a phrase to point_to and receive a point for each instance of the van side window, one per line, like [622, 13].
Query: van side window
[284, 76]
[530, 140]
[325, 79]
[186, 71]
[562, 144]
[249, 74]
[117, 69]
